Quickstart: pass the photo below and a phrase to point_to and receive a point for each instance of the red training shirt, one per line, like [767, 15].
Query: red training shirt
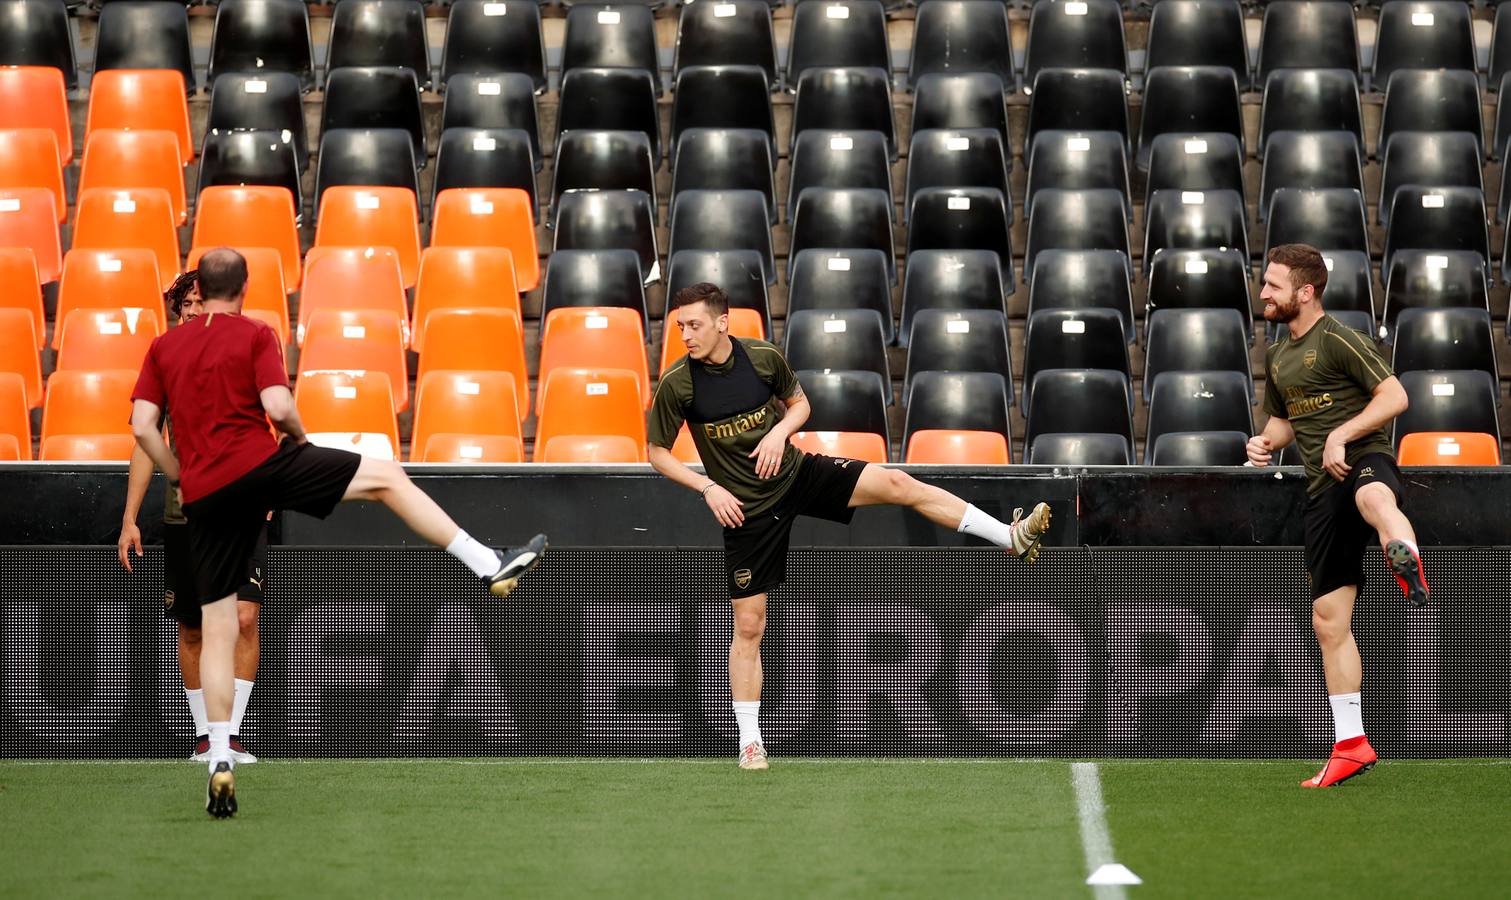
[208, 374]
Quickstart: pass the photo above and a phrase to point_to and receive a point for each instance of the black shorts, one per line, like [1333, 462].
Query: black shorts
[178, 575]
[1336, 533]
[224, 526]
[755, 554]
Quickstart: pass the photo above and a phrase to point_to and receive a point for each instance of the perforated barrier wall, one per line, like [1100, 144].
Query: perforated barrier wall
[957, 651]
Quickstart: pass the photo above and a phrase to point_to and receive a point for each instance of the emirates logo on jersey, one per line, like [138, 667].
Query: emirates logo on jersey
[738, 425]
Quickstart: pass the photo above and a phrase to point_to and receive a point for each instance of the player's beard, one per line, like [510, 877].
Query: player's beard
[1283, 312]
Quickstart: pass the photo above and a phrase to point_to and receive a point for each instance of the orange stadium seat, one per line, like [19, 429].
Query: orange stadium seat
[470, 448]
[684, 449]
[249, 216]
[1450, 448]
[115, 158]
[463, 277]
[591, 448]
[746, 323]
[88, 447]
[351, 278]
[18, 351]
[455, 401]
[590, 401]
[852, 444]
[29, 158]
[482, 340]
[341, 406]
[105, 339]
[10, 449]
[607, 337]
[490, 217]
[370, 340]
[946, 447]
[35, 97]
[29, 220]
[15, 417]
[141, 100]
[109, 279]
[97, 402]
[20, 289]
[112, 219]
[372, 217]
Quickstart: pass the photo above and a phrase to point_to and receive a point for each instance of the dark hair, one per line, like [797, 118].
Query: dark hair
[178, 292]
[703, 292]
[222, 274]
[1305, 262]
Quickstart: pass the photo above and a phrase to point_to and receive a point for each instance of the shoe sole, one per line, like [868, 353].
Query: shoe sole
[1352, 775]
[504, 587]
[1404, 564]
[222, 803]
[755, 767]
[1032, 553]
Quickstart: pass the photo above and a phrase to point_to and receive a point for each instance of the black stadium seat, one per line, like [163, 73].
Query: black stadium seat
[1185, 340]
[1085, 338]
[611, 36]
[1422, 34]
[1500, 47]
[1309, 159]
[1073, 160]
[956, 157]
[1194, 400]
[727, 33]
[1437, 218]
[1434, 279]
[740, 273]
[1079, 450]
[609, 278]
[1079, 401]
[485, 157]
[35, 33]
[959, 340]
[1453, 338]
[1188, 100]
[848, 339]
[1420, 100]
[968, 401]
[837, 159]
[964, 218]
[1331, 218]
[960, 100]
[1311, 100]
[837, 33]
[1202, 279]
[1076, 220]
[493, 101]
[1070, 34]
[1194, 449]
[849, 218]
[602, 160]
[722, 220]
[723, 97]
[842, 279]
[1453, 400]
[1084, 279]
[380, 33]
[484, 37]
[1209, 161]
[1198, 33]
[269, 101]
[609, 220]
[1194, 219]
[249, 157]
[375, 97]
[368, 157]
[725, 159]
[144, 34]
[845, 100]
[846, 400]
[951, 36]
[1308, 34]
[1079, 100]
[616, 99]
[1423, 157]
[950, 280]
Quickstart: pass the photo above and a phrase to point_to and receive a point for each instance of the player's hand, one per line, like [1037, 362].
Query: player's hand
[768, 454]
[178, 494]
[725, 507]
[131, 539]
[1260, 450]
[1334, 454]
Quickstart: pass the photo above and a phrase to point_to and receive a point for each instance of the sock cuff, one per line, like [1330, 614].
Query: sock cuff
[194, 692]
[746, 704]
[244, 682]
[967, 519]
[1352, 695]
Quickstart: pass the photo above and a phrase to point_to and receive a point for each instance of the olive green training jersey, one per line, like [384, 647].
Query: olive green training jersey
[1318, 382]
[729, 408]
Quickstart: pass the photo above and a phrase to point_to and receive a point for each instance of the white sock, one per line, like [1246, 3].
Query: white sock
[196, 699]
[1348, 716]
[220, 743]
[748, 716]
[481, 560]
[239, 704]
[982, 525]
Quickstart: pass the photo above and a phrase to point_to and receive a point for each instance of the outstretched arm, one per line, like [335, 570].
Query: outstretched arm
[723, 504]
[138, 476]
[145, 425]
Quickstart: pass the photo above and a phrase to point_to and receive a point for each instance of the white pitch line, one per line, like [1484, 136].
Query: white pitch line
[1095, 839]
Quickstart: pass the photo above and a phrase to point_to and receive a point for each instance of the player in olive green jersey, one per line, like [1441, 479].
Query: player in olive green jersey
[742, 403]
[1331, 393]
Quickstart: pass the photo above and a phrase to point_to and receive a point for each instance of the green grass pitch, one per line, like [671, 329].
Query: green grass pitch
[701, 828]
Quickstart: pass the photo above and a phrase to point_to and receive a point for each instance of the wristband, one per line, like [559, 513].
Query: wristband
[711, 486]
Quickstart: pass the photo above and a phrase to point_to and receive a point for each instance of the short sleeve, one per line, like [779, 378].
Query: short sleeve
[267, 360]
[149, 382]
[1356, 355]
[784, 381]
[667, 415]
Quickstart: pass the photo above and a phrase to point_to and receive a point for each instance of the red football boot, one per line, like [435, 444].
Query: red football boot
[1350, 758]
[1406, 565]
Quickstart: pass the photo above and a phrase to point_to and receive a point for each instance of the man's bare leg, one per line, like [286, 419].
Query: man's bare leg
[1332, 617]
[1377, 504]
[745, 677]
[882, 486]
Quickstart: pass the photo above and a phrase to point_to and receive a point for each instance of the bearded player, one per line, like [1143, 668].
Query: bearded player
[743, 403]
[1330, 392]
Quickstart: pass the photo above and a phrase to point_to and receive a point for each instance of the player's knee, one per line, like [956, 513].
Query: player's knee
[1328, 624]
[1375, 500]
[750, 624]
[246, 620]
[903, 487]
[190, 636]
